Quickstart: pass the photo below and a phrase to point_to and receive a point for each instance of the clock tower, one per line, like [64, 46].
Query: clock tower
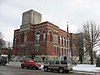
[28, 17]
[31, 16]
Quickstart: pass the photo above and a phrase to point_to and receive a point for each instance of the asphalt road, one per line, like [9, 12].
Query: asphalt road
[6, 70]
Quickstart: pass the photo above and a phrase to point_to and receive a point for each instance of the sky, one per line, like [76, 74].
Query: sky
[58, 12]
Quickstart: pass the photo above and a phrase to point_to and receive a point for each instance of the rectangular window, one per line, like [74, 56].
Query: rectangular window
[66, 42]
[60, 40]
[60, 51]
[65, 51]
[55, 38]
[63, 41]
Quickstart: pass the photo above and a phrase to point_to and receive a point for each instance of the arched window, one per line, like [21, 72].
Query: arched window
[37, 37]
[44, 36]
[50, 36]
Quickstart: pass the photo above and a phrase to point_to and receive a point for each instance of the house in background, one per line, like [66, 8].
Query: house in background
[4, 51]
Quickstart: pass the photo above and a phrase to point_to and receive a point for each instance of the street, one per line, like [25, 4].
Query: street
[7, 70]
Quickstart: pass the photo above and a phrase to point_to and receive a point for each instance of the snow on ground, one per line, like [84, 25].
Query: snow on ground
[16, 64]
[86, 67]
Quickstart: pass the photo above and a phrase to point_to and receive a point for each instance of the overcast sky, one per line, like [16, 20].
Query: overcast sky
[58, 12]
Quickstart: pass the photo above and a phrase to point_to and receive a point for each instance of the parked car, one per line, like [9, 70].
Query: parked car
[2, 61]
[60, 66]
[30, 65]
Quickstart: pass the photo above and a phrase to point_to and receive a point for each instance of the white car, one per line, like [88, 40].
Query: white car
[60, 66]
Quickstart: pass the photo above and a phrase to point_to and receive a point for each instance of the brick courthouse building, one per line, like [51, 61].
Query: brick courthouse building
[43, 39]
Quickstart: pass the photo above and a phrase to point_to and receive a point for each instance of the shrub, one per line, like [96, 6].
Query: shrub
[98, 62]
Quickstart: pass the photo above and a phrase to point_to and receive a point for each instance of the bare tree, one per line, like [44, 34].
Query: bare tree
[2, 42]
[91, 35]
[9, 47]
[31, 50]
[80, 45]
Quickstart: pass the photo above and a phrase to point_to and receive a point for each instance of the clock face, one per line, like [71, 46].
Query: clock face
[26, 18]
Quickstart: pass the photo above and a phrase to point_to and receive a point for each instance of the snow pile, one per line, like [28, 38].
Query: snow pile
[15, 64]
[86, 67]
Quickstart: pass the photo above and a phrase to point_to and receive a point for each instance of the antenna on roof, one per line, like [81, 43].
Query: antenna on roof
[67, 26]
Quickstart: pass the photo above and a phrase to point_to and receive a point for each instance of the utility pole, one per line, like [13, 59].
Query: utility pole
[68, 48]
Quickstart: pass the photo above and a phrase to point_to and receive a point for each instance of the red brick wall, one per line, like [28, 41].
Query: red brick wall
[47, 46]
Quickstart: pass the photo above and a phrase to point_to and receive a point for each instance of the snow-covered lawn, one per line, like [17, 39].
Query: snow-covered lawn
[86, 67]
